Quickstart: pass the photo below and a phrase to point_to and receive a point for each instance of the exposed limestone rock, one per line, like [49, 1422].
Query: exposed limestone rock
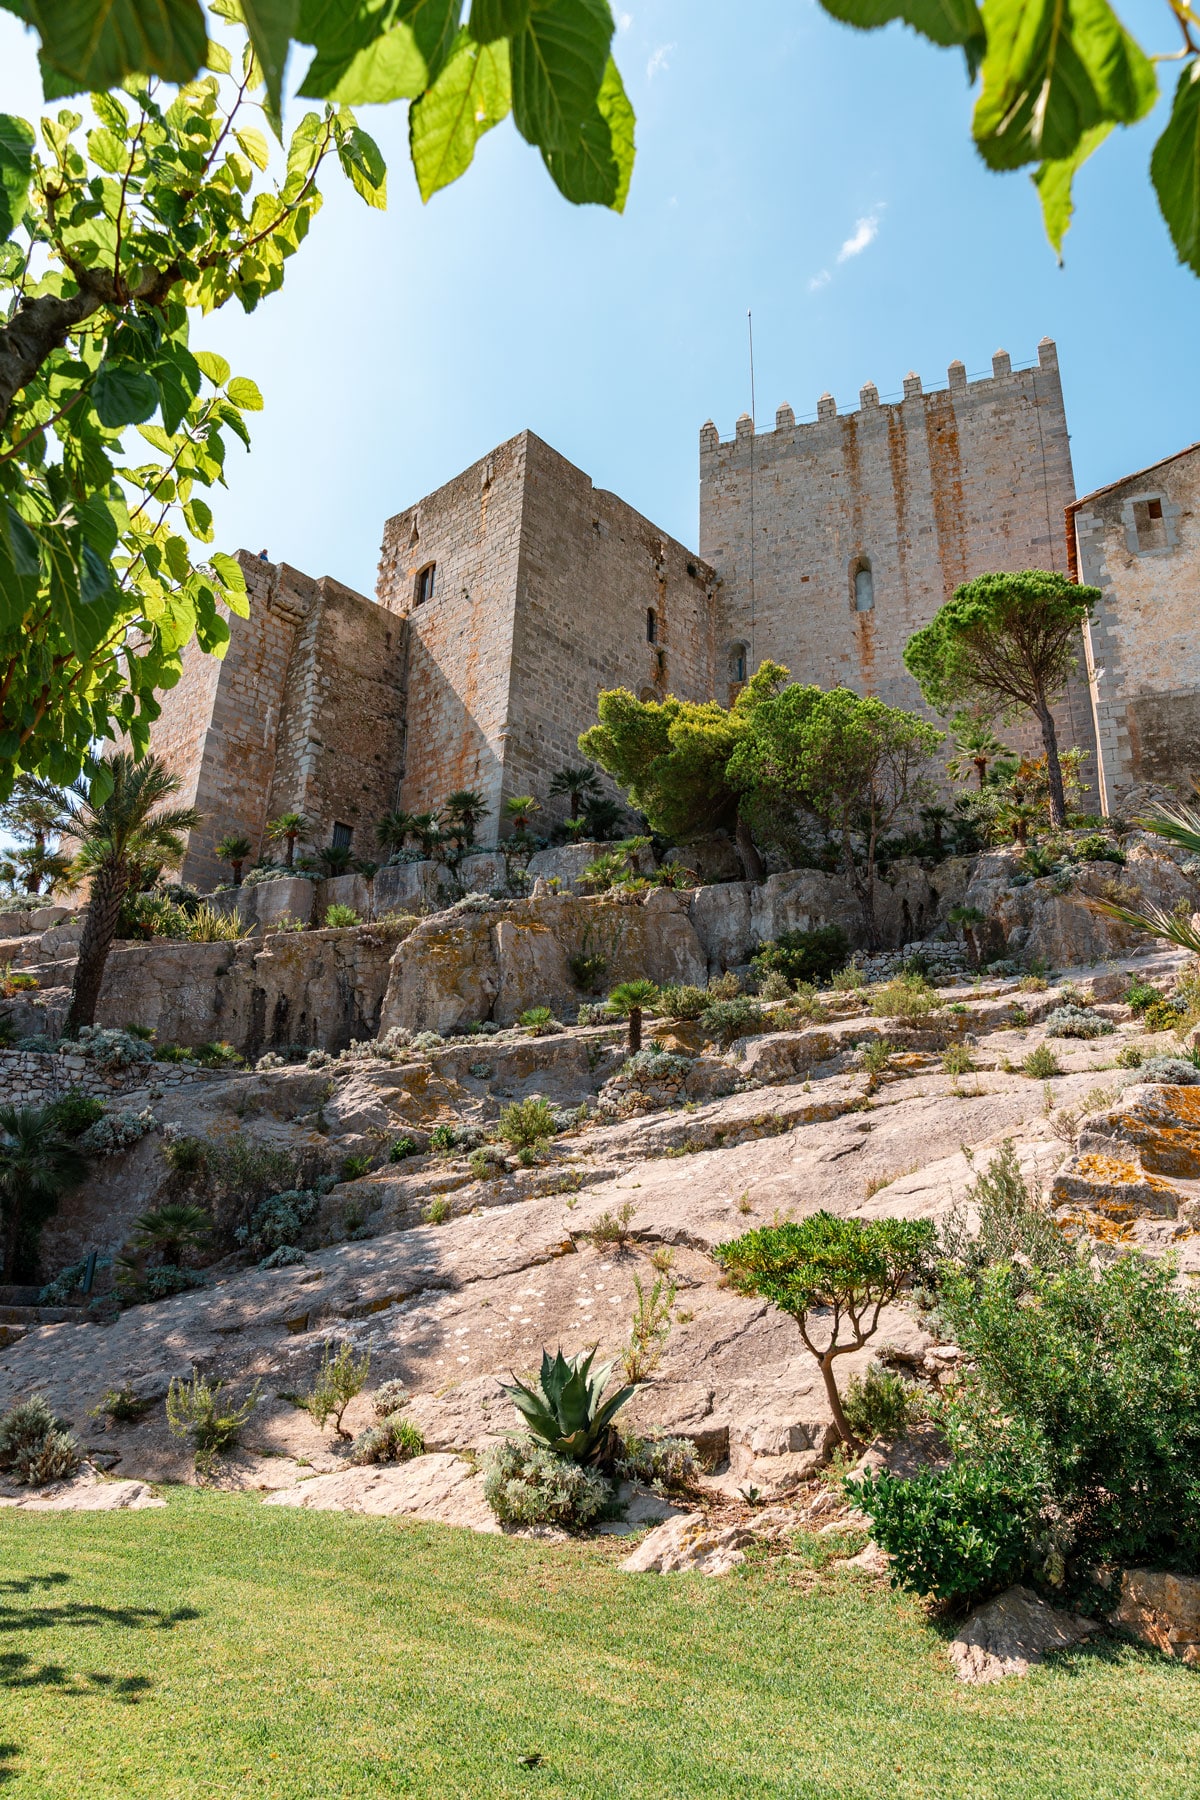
[689, 1544]
[1139, 1159]
[442, 1488]
[1163, 1611]
[1011, 1633]
[1034, 920]
[85, 1492]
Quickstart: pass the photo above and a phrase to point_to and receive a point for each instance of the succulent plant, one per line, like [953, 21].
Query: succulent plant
[566, 1410]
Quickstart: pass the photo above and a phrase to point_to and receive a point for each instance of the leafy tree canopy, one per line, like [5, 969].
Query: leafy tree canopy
[1054, 80]
[463, 67]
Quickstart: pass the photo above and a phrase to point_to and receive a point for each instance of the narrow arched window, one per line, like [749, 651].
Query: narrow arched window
[864, 587]
[651, 625]
[426, 581]
[737, 662]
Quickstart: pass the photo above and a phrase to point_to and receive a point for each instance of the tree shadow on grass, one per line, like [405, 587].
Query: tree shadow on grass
[8, 1755]
[45, 1617]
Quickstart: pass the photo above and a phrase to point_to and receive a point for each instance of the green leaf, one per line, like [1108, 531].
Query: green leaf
[244, 393]
[1055, 69]
[469, 97]
[388, 50]
[229, 570]
[1053, 183]
[360, 157]
[597, 170]
[16, 167]
[1175, 169]
[123, 394]
[214, 366]
[271, 24]
[944, 22]
[254, 145]
[558, 63]
[492, 19]
[97, 44]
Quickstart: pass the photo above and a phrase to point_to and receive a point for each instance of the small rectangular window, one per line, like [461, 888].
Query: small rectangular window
[426, 581]
[1154, 508]
[341, 835]
[651, 625]
[1149, 525]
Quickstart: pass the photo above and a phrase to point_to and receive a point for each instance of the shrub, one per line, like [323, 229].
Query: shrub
[875, 1056]
[1095, 847]
[882, 1404]
[526, 1484]
[195, 1410]
[69, 1280]
[1141, 994]
[566, 1409]
[1013, 1223]
[285, 1257]
[488, 1163]
[803, 955]
[208, 926]
[614, 1228]
[775, 986]
[726, 1020]
[1129, 1057]
[401, 1149]
[956, 1533]
[442, 1139]
[217, 1055]
[679, 1001]
[724, 987]
[1173, 1071]
[649, 1329]
[588, 971]
[394, 1439]
[35, 1447]
[655, 1064]
[116, 1131]
[341, 1377]
[956, 1060]
[389, 1397]
[538, 1021]
[185, 1156]
[908, 997]
[109, 1048]
[437, 1211]
[1163, 1015]
[1076, 1022]
[13, 982]
[844, 980]
[339, 916]
[74, 1112]
[160, 1283]
[669, 1465]
[527, 1123]
[845, 1270]
[278, 1221]
[355, 1167]
[1041, 1064]
[122, 1406]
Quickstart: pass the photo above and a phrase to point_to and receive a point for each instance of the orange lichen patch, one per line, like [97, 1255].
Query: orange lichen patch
[1109, 1169]
[1107, 1231]
[1165, 1131]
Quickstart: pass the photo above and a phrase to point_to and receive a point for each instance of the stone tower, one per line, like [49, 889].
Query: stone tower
[837, 539]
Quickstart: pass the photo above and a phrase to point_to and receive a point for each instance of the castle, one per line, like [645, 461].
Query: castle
[509, 597]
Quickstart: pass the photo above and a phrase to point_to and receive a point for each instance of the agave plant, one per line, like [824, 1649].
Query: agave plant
[565, 1410]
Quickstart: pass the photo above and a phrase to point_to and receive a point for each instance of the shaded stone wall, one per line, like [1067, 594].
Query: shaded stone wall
[1138, 541]
[915, 497]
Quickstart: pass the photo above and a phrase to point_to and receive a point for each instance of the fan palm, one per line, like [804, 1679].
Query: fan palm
[33, 813]
[235, 851]
[578, 784]
[975, 745]
[285, 830]
[172, 1229]
[1179, 825]
[38, 1165]
[117, 814]
[394, 830]
[629, 1001]
[518, 808]
[461, 813]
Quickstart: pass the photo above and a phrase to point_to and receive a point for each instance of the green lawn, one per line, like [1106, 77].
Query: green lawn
[220, 1648]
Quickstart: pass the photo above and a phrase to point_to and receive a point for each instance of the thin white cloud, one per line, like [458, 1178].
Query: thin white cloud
[819, 281]
[659, 61]
[862, 237]
[624, 21]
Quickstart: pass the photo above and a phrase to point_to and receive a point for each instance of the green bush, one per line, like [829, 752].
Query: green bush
[1011, 1222]
[1141, 994]
[75, 1112]
[908, 997]
[339, 915]
[341, 1377]
[803, 955]
[669, 1465]
[725, 1020]
[389, 1397]
[1129, 1057]
[526, 1123]
[278, 1221]
[844, 981]
[356, 1166]
[1077, 1022]
[882, 1404]
[680, 1001]
[437, 1211]
[956, 1533]
[1175, 1071]
[35, 1447]
[1041, 1064]
[401, 1149]
[956, 1060]
[538, 1021]
[442, 1139]
[394, 1439]
[526, 1484]
[195, 1410]
[1163, 1015]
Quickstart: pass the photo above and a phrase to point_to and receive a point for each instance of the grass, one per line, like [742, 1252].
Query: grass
[219, 1648]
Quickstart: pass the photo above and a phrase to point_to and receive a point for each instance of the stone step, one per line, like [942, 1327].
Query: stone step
[42, 1315]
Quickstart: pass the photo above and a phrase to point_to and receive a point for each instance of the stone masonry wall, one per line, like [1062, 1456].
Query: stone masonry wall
[921, 495]
[33, 1077]
[592, 572]
[460, 640]
[1139, 542]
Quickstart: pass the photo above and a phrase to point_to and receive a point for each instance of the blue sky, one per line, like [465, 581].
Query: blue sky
[820, 176]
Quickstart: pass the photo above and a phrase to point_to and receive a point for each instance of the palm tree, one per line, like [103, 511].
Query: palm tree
[603, 818]
[935, 819]
[116, 814]
[394, 830]
[285, 830]
[38, 1165]
[234, 851]
[976, 745]
[578, 784]
[518, 808]
[171, 1230]
[427, 831]
[336, 859]
[1179, 825]
[33, 813]
[630, 1001]
[461, 813]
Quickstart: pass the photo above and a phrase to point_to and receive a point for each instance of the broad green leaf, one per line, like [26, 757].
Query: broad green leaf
[469, 97]
[492, 19]
[944, 22]
[597, 170]
[1175, 169]
[558, 63]
[360, 157]
[244, 393]
[229, 570]
[110, 112]
[1055, 69]
[214, 366]
[1053, 182]
[97, 44]
[16, 167]
[383, 50]
[107, 149]
[217, 58]
[123, 394]
[270, 24]
[255, 146]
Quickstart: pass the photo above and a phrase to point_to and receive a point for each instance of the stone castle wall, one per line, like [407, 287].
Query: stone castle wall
[1138, 541]
[836, 540]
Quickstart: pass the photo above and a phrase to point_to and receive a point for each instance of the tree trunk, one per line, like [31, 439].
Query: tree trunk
[635, 1030]
[751, 861]
[290, 851]
[12, 1234]
[100, 927]
[835, 1404]
[981, 763]
[1058, 803]
[237, 873]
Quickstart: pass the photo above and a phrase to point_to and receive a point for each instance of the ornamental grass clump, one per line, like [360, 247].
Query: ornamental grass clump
[394, 1439]
[833, 1277]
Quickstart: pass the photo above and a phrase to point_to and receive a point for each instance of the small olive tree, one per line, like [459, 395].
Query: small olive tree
[834, 1277]
[1005, 642]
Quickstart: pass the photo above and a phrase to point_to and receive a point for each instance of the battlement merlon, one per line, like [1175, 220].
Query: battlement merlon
[1003, 380]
